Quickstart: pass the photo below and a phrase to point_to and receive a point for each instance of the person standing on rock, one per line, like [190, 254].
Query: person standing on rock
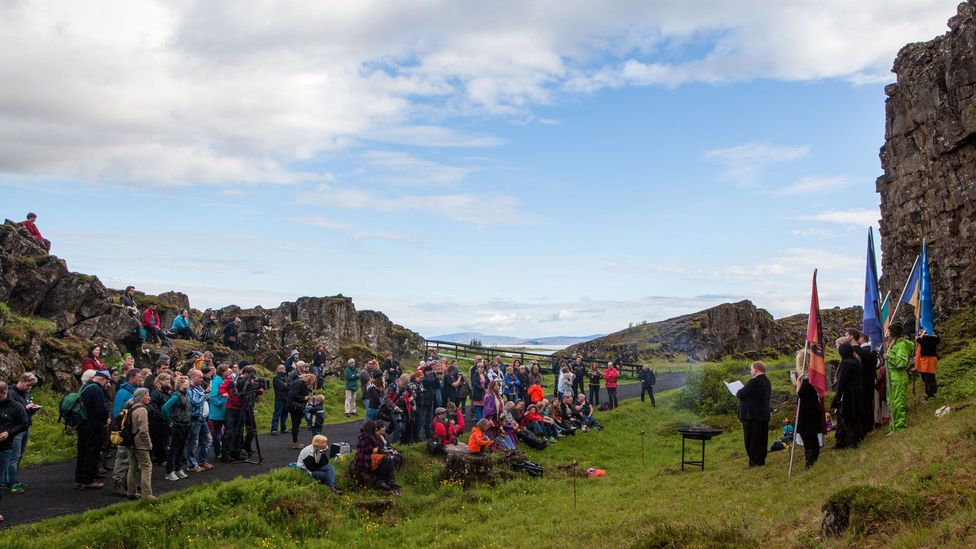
[928, 359]
[754, 414]
[91, 432]
[31, 225]
[232, 331]
[351, 377]
[899, 353]
[291, 361]
[151, 323]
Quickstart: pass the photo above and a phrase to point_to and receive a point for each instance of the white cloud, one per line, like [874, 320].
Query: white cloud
[743, 164]
[403, 169]
[353, 231]
[814, 184]
[479, 210]
[170, 93]
[861, 218]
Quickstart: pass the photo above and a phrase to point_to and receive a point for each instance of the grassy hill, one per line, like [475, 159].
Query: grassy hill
[915, 489]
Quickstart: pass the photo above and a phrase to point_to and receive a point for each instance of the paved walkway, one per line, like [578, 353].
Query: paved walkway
[51, 493]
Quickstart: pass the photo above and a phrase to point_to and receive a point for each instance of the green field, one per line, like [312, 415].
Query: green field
[920, 489]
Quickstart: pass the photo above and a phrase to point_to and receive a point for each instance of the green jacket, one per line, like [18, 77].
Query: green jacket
[899, 354]
[351, 377]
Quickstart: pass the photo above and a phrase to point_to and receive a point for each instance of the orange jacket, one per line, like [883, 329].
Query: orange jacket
[477, 442]
[535, 393]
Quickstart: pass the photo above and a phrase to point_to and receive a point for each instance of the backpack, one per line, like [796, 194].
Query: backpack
[72, 409]
[120, 433]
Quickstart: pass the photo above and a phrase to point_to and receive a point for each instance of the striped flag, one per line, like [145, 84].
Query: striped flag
[871, 324]
[816, 368]
[886, 312]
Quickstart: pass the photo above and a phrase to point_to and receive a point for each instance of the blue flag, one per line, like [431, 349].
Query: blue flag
[871, 325]
[925, 294]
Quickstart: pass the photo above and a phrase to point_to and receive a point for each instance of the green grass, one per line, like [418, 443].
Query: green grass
[644, 501]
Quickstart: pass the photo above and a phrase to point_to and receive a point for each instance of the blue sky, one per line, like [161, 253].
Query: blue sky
[548, 168]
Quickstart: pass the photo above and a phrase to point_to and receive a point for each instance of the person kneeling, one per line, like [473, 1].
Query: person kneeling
[314, 459]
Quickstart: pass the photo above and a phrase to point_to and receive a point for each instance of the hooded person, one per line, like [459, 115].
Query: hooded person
[847, 399]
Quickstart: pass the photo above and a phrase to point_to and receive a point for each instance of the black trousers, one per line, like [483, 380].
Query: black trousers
[811, 448]
[612, 397]
[650, 392]
[931, 385]
[756, 438]
[90, 443]
[233, 429]
[296, 423]
[594, 396]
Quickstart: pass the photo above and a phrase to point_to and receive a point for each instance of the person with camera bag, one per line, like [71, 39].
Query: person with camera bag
[240, 392]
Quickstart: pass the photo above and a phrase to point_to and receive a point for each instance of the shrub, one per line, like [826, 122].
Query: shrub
[705, 393]
[869, 509]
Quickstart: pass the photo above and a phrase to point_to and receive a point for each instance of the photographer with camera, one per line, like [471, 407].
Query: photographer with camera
[314, 460]
[298, 396]
[240, 392]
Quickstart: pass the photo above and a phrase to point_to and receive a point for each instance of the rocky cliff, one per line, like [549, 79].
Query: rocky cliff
[928, 189]
[738, 330]
[49, 315]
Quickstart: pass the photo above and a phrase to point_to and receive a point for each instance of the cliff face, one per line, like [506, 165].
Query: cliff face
[929, 158]
[739, 330]
[48, 317]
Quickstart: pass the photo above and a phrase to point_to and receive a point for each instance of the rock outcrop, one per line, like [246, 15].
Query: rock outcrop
[928, 189]
[49, 315]
[738, 330]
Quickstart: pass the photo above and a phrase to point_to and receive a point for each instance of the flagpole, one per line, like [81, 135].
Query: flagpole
[796, 420]
[905, 287]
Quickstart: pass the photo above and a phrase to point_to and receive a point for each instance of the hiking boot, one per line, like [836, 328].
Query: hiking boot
[182, 474]
[206, 466]
[92, 486]
[120, 488]
[297, 446]
[197, 469]
[172, 476]
[16, 488]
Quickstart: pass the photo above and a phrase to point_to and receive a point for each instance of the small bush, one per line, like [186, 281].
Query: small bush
[672, 535]
[705, 392]
[869, 509]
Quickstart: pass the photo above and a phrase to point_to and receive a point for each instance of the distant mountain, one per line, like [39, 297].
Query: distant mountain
[496, 340]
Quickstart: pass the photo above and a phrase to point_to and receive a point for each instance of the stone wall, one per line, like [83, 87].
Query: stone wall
[928, 189]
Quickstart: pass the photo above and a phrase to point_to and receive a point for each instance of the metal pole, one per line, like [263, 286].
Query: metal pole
[574, 484]
[643, 464]
[789, 473]
[905, 287]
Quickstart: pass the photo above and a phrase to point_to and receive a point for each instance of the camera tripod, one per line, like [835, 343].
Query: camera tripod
[251, 430]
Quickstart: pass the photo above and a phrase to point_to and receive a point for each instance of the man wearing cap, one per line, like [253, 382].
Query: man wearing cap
[139, 459]
[314, 460]
[91, 432]
[447, 430]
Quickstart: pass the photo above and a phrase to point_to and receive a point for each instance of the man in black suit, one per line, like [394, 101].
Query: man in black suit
[754, 414]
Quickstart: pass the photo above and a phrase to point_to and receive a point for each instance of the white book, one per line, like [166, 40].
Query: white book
[734, 386]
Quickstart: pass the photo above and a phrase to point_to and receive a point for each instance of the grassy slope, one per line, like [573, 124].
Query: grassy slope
[639, 503]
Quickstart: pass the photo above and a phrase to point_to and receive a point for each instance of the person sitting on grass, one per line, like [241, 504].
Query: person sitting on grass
[181, 326]
[533, 421]
[567, 410]
[371, 459]
[314, 460]
[315, 414]
[478, 442]
[556, 413]
[447, 429]
[585, 412]
[546, 411]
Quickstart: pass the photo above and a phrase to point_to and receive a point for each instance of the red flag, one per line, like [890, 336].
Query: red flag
[816, 367]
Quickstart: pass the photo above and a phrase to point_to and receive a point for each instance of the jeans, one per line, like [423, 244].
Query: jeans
[197, 442]
[17, 447]
[594, 396]
[6, 456]
[425, 416]
[591, 421]
[279, 418]
[325, 475]
[372, 413]
[479, 412]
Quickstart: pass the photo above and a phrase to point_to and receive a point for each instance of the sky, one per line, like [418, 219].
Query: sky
[530, 168]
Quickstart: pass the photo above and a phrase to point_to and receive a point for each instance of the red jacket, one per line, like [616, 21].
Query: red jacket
[531, 416]
[32, 229]
[447, 434]
[611, 374]
[149, 318]
[234, 401]
[535, 393]
[92, 364]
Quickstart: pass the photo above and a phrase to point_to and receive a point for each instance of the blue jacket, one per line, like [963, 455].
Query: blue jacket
[217, 402]
[121, 396]
[197, 396]
[179, 322]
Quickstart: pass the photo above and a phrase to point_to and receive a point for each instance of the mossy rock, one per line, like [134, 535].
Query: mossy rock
[867, 510]
[359, 351]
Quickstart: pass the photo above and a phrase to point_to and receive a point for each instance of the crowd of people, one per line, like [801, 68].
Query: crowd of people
[861, 403]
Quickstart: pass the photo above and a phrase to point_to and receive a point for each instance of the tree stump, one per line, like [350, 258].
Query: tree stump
[465, 467]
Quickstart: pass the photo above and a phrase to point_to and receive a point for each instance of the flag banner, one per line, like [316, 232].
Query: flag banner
[924, 307]
[886, 312]
[871, 323]
[817, 368]
[910, 293]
